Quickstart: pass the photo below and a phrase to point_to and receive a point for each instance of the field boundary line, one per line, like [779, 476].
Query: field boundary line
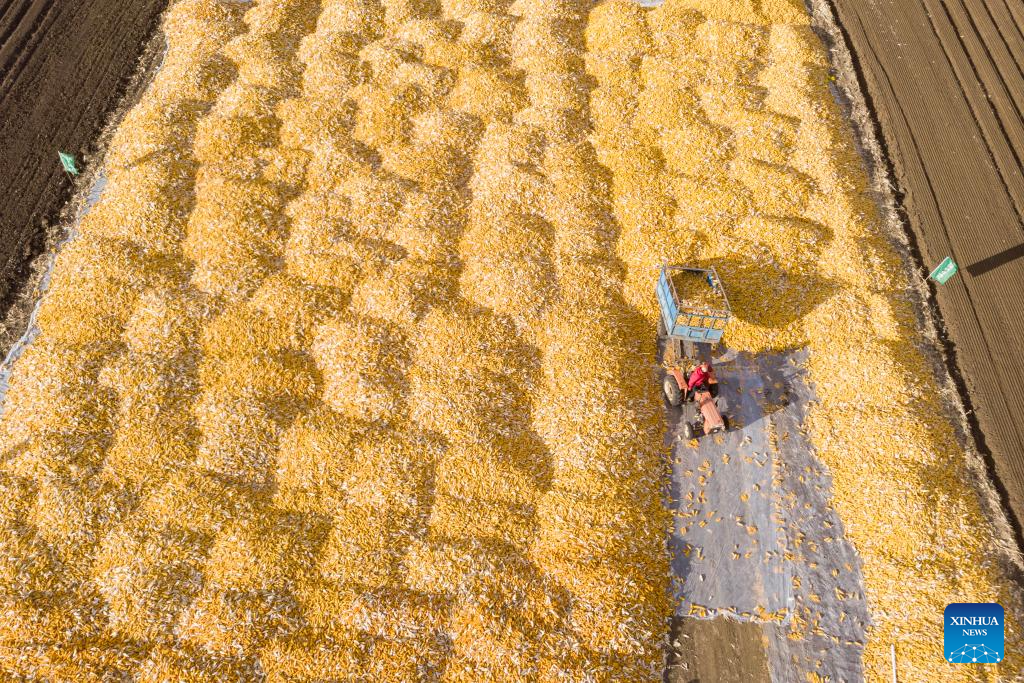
[852, 85]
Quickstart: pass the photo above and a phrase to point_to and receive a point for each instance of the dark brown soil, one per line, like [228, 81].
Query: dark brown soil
[716, 651]
[64, 67]
[945, 80]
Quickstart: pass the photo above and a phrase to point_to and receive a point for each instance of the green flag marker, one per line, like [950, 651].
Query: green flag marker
[944, 271]
[68, 162]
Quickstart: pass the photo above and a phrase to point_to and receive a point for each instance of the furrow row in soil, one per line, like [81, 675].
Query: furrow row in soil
[945, 83]
[64, 67]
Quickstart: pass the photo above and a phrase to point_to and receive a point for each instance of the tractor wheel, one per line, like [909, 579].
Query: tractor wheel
[662, 332]
[687, 431]
[725, 423]
[672, 393]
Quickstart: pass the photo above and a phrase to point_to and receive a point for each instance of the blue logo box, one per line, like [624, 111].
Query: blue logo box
[974, 632]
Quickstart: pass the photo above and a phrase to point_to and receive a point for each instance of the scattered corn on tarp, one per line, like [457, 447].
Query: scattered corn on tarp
[349, 372]
[756, 537]
[729, 544]
[826, 634]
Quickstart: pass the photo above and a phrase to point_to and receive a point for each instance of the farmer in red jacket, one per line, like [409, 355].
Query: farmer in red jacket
[702, 377]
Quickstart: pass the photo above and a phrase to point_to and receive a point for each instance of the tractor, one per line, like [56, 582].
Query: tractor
[694, 312]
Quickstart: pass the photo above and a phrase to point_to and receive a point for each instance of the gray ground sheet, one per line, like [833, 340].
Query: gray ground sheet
[727, 545]
[755, 537]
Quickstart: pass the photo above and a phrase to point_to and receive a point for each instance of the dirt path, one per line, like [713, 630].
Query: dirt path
[946, 82]
[717, 650]
[64, 65]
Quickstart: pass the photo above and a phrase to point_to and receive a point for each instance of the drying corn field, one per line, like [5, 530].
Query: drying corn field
[351, 372]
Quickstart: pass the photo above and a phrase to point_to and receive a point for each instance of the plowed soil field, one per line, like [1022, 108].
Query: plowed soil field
[946, 82]
[63, 67]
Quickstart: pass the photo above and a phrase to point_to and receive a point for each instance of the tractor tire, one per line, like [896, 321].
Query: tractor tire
[662, 332]
[725, 423]
[673, 394]
[687, 431]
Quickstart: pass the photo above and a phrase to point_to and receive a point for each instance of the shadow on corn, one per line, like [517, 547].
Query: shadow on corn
[782, 297]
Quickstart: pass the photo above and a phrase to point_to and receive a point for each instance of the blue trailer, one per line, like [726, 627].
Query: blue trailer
[694, 313]
[700, 319]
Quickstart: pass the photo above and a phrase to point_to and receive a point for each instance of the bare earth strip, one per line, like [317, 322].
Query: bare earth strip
[63, 67]
[946, 83]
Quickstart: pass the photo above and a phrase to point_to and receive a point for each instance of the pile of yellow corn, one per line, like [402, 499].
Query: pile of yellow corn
[694, 291]
[348, 374]
[727, 149]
